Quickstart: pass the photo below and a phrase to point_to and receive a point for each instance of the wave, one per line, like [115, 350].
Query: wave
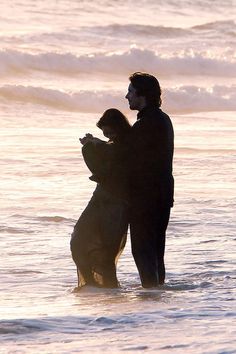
[16, 327]
[227, 27]
[197, 99]
[192, 151]
[111, 30]
[80, 101]
[186, 63]
[183, 99]
[54, 218]
[140, 30]
[14, 230]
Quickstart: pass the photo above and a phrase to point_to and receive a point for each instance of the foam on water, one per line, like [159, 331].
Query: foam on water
[187, 62]
[176, 100]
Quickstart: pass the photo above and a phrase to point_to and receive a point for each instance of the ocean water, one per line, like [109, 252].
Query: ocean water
[63, 63]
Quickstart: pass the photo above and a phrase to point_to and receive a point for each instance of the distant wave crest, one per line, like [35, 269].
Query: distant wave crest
[183, 99]
[140, 30]
[186, 63]
[130, 30]
[227, 27]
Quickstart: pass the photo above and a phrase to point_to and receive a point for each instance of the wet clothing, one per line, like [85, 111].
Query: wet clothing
[151, 145]
[100, 234]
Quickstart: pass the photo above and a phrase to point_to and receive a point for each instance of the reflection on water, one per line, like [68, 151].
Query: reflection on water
[39, 301]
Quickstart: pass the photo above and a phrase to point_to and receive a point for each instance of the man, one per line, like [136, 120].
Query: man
[151, 180]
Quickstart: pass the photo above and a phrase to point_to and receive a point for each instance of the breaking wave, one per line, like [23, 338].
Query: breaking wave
[183, 99]
[188, 63]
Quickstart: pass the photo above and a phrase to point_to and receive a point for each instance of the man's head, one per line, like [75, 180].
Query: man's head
[144, 90]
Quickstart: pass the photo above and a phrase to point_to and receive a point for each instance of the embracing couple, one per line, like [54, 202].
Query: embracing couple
[133, 172]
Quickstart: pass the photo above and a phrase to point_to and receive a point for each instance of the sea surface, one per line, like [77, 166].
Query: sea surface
[62, 64]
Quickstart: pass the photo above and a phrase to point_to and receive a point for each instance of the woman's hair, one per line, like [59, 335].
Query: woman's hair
[148, 86]
[115, 119]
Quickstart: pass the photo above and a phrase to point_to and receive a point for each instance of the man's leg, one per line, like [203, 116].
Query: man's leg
[162, 221]
[142, 233]
[148, 232]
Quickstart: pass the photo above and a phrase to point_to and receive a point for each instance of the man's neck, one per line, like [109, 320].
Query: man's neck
[142, 106]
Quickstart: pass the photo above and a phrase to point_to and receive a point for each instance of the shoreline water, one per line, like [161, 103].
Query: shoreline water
[38, 303]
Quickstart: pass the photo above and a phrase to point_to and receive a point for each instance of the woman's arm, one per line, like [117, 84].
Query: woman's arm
[98, 158]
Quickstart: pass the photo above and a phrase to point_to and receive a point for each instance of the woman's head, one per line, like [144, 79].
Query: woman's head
[114, 124]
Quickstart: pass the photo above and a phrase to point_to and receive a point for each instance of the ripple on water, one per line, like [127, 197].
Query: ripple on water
[139, 347]
[21, 326]
[15, 230]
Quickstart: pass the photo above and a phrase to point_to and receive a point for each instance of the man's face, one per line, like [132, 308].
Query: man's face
[135, 102]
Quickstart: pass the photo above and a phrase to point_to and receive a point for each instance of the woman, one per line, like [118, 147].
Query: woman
[100, 234]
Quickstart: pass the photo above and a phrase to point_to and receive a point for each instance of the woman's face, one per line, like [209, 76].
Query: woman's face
[109, 132]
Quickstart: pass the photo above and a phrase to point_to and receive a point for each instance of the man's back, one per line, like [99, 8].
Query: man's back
[151, 180]
[151, 157]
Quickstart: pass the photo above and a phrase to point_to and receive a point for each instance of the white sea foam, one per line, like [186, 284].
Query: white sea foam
[176, 100]
[188, 63]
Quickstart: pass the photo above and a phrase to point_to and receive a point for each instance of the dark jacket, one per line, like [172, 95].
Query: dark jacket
[151, 146]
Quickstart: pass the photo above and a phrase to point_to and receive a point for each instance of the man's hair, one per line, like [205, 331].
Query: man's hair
[148, 86]
[115, 119]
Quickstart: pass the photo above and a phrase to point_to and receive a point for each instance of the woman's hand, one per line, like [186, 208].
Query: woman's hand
[90, 138]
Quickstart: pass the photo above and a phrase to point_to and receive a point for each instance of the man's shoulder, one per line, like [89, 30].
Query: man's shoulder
[157, 112]
[160, 119]
[152, 112]
[154, 122]
[153, 116]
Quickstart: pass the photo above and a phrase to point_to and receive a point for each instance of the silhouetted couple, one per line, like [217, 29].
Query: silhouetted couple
[135, 186]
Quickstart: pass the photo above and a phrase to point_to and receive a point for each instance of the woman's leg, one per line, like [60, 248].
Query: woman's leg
[82, 240]
[114, 233]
